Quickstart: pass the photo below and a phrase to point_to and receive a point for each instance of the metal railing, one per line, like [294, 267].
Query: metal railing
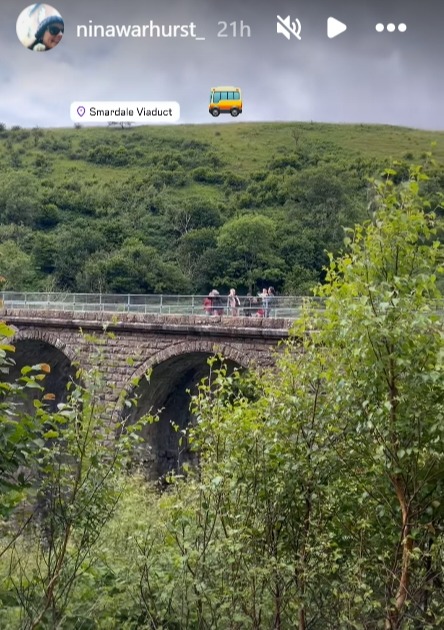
[277, 307]
[281, 306]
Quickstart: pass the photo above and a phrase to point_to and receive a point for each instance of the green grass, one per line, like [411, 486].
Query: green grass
[247, 147]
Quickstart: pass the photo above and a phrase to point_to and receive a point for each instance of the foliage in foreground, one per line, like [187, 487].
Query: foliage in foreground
[318, 502]
[60, 482]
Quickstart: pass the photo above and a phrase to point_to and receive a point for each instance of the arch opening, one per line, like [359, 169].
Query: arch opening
[168, 393]
[29, 352]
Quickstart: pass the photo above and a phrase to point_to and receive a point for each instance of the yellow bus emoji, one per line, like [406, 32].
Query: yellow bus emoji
[225, 100]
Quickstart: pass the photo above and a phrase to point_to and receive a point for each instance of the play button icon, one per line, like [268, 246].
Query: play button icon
[335, 27]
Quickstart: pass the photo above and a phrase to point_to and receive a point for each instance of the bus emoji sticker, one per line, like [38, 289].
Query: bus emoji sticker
[225, 100]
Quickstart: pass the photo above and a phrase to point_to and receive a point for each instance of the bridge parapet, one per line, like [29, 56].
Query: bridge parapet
[200, 325]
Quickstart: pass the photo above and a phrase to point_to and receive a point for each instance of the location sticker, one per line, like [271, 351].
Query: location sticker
[118, 112]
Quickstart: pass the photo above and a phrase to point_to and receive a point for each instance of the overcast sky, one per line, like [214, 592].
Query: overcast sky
[360, 76]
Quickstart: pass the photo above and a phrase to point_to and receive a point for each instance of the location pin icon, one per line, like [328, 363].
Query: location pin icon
[81, 110]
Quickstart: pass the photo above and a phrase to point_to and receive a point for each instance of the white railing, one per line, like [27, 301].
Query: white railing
[278, 306]
[281, 306]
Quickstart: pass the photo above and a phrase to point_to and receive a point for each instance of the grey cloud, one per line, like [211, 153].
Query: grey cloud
[359, 77]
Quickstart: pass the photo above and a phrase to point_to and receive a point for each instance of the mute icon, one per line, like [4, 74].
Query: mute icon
[287, 27]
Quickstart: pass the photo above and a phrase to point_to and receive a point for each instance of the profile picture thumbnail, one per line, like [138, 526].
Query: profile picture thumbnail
[40, 27]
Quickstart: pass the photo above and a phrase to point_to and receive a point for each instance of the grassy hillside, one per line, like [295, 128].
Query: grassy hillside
[186, 208]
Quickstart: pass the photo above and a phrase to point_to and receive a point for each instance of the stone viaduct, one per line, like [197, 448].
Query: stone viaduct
[175, 350]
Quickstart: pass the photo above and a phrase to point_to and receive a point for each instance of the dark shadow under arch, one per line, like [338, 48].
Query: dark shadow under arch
[29, 352]
[166, 393]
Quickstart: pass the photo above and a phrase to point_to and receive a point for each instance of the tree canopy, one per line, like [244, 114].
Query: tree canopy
[317, 499]
[72, 198]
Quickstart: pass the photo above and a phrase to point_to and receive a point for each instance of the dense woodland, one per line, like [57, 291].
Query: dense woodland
[314, 500]
[188, 208]
[317, 499]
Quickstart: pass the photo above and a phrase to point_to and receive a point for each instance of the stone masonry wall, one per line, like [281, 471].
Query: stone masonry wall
[129, 345]
[133, 342]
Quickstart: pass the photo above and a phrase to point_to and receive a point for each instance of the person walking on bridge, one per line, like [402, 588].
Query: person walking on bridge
[271, 302]
[233, 303]
[218, 307]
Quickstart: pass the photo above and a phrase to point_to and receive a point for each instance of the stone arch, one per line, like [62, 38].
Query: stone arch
[34, 346]
[35, 334]
[204, 346]
[175, 370]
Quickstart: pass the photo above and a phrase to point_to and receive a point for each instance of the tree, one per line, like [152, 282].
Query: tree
[136, 268]
[43, 253]
[74, 245]
[75, 480]
[48, 217]
[192, 214]
[386, 340]
[319, 494]
[16, 266]
[191, 251]
[300, 280]
[17, 438]
[19, 198]
[247, 247]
